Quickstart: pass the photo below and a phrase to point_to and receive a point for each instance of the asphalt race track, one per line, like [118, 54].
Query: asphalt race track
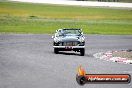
[28, 61]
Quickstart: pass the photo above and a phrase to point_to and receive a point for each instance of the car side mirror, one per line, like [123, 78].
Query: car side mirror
[56, 30]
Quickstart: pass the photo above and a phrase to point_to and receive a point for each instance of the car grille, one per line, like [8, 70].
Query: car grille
[70, 43]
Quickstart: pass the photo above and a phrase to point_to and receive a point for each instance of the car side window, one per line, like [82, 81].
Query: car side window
[60, 32]
[56, 35]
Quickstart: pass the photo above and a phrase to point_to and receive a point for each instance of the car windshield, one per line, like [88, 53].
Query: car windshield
[71, 32]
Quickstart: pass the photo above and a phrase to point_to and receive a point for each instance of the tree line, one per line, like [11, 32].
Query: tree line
[109, 0]
[101, 0]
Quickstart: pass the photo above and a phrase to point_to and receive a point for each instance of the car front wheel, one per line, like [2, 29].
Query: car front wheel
[56, 51]
[82, 52]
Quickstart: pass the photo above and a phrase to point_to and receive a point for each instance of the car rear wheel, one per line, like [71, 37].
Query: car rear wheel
[56, 51]
[82, 52]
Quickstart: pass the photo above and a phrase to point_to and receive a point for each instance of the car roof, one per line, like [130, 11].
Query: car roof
[71, 29]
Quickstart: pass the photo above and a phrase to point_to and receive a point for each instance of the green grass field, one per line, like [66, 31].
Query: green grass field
[43, 18]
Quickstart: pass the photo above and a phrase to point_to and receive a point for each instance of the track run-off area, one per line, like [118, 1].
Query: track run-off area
[28, 61]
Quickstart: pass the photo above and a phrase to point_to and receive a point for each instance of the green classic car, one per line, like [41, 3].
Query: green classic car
[69, 39]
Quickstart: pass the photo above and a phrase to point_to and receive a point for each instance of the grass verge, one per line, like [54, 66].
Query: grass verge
[41, 18]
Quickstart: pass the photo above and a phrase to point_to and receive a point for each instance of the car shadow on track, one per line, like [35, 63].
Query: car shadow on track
[69, 53]
[76, 54]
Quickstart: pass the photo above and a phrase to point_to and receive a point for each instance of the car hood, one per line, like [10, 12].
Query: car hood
[69, 38]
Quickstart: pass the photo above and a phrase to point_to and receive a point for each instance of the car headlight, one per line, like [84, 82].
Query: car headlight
[81, 39]
[56, 40]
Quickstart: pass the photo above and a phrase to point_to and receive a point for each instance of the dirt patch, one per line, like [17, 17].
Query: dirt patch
[124, 54]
